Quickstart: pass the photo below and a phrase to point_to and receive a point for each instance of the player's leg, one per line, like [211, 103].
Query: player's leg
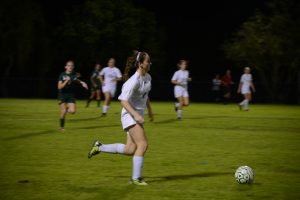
[139, 138]
[106, 103]
[71, 108]
[247, 100]
[186, 99]
[179, 108]
[116, 148]
[63, 112]
[98, 97]
[90, 98]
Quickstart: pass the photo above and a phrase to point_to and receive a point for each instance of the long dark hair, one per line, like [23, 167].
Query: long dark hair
[133, 62]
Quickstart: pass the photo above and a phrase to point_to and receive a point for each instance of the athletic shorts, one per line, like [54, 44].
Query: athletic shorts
[110, 89]
[98, 87]
[245, 90]
[128, 120]
[180, 92]
[66, 98]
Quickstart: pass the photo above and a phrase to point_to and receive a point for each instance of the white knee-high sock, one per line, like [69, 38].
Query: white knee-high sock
[112, 148]
[137, 166]
[246, 104]
[179, 113]
[243, 102]
[105, 109]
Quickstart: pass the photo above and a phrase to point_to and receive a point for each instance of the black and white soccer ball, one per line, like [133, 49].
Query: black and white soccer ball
[244, 175]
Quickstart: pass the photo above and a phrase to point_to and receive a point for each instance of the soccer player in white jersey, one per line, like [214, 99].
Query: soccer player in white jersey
[109, 76]
[134, 99]
[245, 87]
[180, 80]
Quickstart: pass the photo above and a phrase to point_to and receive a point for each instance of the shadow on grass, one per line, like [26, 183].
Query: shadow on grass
[100, 126]
[167, 121]
[28, 135]
[179, 176]
[185, 176]
[84, 119]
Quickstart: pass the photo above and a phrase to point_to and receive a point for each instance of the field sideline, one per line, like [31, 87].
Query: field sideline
[191, 159]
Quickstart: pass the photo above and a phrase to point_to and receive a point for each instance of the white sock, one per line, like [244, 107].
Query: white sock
[105, 109]
[246, 104]
[179, 113]
[243, 102]
[137, 166]
[112, 148]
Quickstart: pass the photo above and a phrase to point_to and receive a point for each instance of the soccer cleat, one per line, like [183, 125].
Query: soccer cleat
[103, 115]
[138, 181]
[95, 149]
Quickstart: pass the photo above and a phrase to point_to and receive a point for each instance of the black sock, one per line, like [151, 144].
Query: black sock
[88, 102]
[62, 123]
[98, 102]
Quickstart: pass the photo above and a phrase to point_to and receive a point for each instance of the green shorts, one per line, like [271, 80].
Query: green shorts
[66, 98]
[93, 89]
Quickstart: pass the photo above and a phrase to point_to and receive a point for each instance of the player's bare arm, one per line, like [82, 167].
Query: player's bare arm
[137, 117]
[150, 113]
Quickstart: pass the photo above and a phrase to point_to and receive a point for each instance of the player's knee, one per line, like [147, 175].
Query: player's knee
[72, 111]
[142, 146]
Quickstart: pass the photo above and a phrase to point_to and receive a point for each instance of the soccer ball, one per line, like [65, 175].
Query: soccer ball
[244, 174]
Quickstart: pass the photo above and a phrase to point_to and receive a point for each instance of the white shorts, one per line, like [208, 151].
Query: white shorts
[246, 91]
[127, 119]
[180, 92]
[109, 88]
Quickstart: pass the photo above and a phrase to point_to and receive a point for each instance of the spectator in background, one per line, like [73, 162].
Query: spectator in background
[226, 86]
[216, 88]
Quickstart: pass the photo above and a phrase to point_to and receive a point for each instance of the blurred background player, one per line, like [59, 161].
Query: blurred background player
[134, 99]
[245, 87]
[95, 86]
[180, 80]
[109, 76]
[66, 91]
[226, 86]
[216, 88]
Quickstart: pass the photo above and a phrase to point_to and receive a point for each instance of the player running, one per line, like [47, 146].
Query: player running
[95, 86]
[109, 76]
[134, 99]
[245, 87]
[66, 90]
[180, 80]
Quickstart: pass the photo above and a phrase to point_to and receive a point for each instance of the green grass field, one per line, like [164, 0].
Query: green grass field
[191, 159]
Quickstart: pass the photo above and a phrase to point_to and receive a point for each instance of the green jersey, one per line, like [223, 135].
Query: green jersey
[70, 86]
[95, 77]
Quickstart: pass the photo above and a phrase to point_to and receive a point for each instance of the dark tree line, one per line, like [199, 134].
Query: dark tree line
[35, 46]
[269, 42]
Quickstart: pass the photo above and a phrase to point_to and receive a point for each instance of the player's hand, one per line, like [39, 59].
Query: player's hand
[238, 91]
[139, 119]
[84, 85]
[190, 79]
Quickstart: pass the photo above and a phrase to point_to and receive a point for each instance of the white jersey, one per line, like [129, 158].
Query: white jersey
[110, 73]
[246, 81]
[135, 90]
[181, 76]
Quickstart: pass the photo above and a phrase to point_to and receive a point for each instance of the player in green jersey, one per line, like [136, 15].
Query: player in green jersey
[66, 91]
